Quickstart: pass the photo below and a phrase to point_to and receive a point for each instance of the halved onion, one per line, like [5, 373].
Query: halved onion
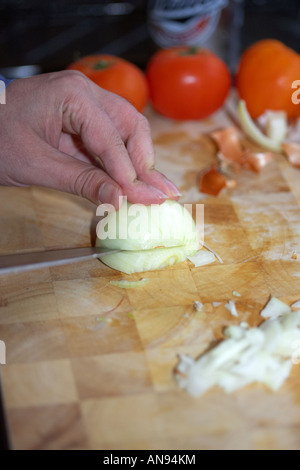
[150, 237]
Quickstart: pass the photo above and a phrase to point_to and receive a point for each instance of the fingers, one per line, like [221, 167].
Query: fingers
[140, 149]
[102, 140]
[62, 172]
[134, 129]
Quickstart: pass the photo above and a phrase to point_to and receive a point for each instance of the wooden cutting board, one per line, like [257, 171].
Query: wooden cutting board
[75, 381]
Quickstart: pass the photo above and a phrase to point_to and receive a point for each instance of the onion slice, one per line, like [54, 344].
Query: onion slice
[202, 258]
[216, 254]
[124, 284]
[251, 129]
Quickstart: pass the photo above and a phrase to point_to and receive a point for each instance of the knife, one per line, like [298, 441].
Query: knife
[20, 262]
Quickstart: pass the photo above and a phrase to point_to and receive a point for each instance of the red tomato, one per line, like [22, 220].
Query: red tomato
[187, 82]
[265, 77]
[116, 75]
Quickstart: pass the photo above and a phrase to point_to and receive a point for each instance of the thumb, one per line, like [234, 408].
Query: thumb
[57, 170]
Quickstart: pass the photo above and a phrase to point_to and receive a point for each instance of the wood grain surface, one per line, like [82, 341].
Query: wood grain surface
[73, 381]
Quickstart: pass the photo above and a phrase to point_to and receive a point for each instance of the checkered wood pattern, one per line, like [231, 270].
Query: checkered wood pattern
[73, 381]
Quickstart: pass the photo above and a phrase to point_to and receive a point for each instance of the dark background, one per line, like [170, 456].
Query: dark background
[51, 34]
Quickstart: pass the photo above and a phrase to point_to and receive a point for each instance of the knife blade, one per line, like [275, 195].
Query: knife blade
[20, 262]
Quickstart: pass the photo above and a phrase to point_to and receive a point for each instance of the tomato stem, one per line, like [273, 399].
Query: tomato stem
[102, 64]
[192, 50]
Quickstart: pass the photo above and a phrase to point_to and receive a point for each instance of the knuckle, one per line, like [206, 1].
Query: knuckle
[142, 124]
[72, 79]
[86, 184]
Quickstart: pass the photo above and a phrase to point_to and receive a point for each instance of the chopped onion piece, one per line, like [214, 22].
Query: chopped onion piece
[201, 258]
[293, 134]
[237, 294]
[296, 305]
[276, 125]
[232, 308]
[130, 284]
[274, 308]
[216, 254]
[253, 131]
[104, 319]
[292, 150]
[246, 355]
[216, 304]
[198, 305]
[231, 184]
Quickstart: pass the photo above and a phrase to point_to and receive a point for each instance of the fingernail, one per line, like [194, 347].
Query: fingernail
[174, 191]
[158, 192]
[109, 193]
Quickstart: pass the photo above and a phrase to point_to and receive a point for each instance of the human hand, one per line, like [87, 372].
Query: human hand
[62, 131]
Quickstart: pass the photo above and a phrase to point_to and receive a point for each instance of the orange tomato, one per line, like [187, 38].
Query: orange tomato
[265, 76]
[116, 75]
[187, 82]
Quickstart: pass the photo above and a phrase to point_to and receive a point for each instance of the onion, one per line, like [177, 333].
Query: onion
[276, 125]
[198, 306]
[130, 284]
[296, 305]
[292, 150]
[201, 258]
[257, 135]
[150, 237]
[246, 355]
[274, 308]
[237, 294]
[232, 308]
[212, 251]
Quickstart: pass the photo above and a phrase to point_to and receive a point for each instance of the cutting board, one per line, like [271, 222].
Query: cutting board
[74, 380]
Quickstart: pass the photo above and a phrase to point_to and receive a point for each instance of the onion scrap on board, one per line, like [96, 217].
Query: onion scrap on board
[271, 132]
